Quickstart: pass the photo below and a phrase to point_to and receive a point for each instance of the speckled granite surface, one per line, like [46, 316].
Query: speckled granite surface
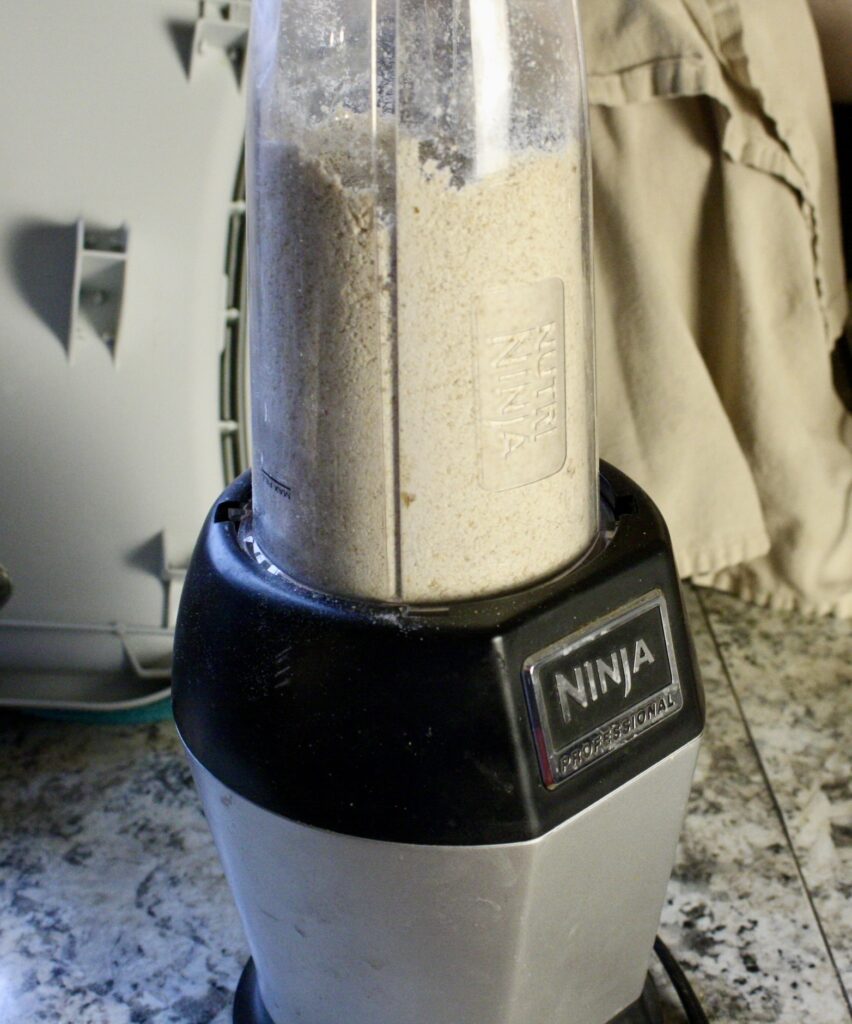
[794, 684]
[113, 909]
[737, 916]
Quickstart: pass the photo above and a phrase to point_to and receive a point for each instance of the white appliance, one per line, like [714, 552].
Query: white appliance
[121, 329]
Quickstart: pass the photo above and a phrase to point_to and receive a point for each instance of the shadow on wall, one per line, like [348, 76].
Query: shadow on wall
[148, 556]
[181, 34]
[42, 255]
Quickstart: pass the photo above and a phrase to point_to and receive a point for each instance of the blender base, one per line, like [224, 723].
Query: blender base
[387, 751]
[249, 1008]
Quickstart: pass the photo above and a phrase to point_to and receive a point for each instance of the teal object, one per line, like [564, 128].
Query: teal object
[158, 711]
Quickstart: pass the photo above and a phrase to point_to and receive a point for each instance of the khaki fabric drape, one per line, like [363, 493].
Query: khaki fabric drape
[720, 289]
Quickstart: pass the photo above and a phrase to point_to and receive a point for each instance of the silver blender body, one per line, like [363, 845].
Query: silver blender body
[559, 928]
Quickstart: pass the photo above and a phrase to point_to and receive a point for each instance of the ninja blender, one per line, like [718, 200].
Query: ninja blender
[432, 666]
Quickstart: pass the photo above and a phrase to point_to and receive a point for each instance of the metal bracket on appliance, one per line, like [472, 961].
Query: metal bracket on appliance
[234, 398]
[5, 586]
[78, 665]
[221, 28]
[100, 260]
[149, 652]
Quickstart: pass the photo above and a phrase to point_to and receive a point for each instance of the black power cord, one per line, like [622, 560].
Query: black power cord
[688, 999]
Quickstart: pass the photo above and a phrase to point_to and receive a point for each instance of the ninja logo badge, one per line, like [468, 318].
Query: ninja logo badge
[602, 687]
[584, 683]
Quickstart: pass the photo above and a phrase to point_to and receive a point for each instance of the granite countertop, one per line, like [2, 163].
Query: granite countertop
[113, 908]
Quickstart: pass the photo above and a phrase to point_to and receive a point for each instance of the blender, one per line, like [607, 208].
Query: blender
[432, 668]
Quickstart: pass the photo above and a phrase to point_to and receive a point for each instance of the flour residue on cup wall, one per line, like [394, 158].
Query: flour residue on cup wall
[427, 378]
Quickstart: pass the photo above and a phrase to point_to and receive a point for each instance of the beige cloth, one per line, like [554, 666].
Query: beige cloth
[720, 289]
